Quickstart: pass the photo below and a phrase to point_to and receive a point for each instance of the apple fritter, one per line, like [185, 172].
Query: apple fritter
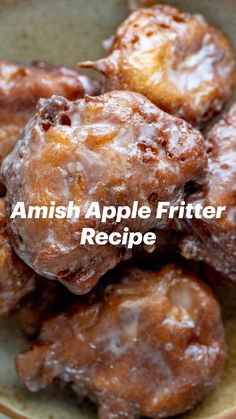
[21, 87]
[213, 241]
[151, 345]
[113, 149]
[177, 60]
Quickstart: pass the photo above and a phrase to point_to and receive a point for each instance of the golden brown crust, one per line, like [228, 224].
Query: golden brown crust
[180, 62]
[151, 345]
[214, 241]
[114, 149]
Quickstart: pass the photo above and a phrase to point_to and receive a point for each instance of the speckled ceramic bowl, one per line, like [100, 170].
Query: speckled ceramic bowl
[64, 32]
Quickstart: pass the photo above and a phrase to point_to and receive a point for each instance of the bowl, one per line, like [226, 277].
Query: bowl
[65, 32]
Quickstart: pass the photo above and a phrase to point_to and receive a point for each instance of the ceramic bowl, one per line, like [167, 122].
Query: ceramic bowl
[65, 32]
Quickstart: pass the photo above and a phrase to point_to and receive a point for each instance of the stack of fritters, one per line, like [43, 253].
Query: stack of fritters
[137, 342]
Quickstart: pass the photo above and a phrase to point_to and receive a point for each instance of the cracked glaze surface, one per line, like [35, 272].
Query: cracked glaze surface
[115, 149]
[22, 86]
[151, 345]
[179, 61]
[214, 241]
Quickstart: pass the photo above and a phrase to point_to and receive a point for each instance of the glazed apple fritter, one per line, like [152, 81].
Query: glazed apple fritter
[214, 241]
[177, 60]
[20, 88]
[151, 345]
[114, 149]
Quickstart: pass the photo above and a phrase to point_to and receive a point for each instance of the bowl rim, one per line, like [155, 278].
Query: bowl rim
[13, 414]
